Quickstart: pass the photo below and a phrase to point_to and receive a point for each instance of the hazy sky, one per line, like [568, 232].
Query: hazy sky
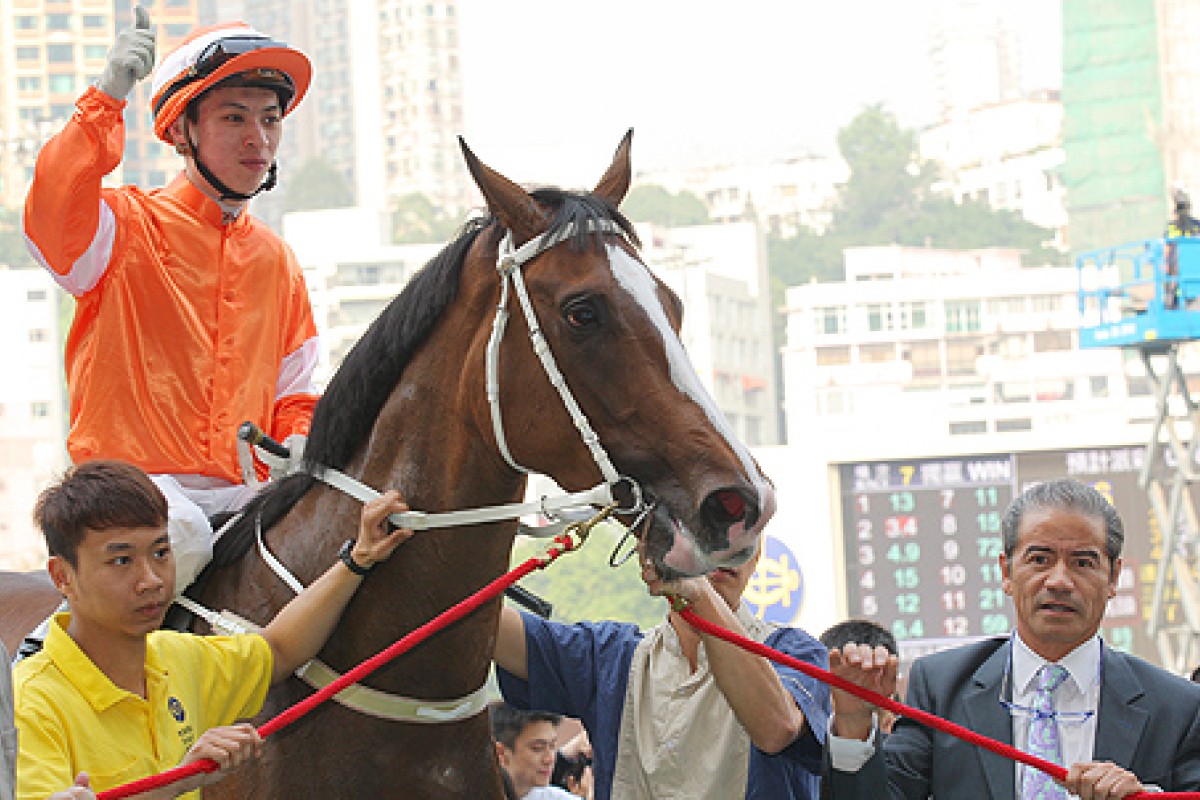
[551, 85]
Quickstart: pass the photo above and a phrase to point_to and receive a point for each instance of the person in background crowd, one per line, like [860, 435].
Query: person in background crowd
[573, 766]
[1051, 688]
[865, 632]
[526, 744]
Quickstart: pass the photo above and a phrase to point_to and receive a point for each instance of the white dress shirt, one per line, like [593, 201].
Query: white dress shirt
[1080, 692]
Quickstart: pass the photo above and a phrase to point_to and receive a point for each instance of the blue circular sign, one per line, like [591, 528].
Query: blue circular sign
[776, 589]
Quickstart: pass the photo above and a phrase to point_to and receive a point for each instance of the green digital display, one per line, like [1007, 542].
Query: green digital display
[921, 540]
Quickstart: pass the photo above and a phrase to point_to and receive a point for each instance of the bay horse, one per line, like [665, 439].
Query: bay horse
[409, 408]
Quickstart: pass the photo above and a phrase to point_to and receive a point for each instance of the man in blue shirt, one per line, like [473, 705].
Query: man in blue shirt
[673, 712]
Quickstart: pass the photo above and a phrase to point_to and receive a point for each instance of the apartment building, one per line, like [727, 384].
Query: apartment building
[386, 103]
[782, 195]
[1006, 154]
[941, 351]
[32, 409]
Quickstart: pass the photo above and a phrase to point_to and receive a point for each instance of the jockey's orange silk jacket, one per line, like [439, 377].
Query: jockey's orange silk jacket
[184, 326]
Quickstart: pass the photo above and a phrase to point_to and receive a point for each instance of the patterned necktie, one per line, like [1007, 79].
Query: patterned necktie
[1043, 737]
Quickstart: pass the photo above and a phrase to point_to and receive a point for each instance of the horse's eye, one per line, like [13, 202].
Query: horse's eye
[581, 313]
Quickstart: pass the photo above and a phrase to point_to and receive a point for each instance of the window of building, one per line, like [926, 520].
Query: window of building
[876, 353]
[94, 52]
[35, 295]
[1098, 385]
[178, 30]
[27, 53]
[1001, 306]
[1013, 425]
[926, 359]
[29, 83]
[879, 317]
[829, 319]
[94, 21]
[962, 316]
[913, 316]
[753, 430]
[25, 22]
[39, 410]
[1140, 386]
[1051, 341]
[968, 427]
[1009, 345]
[1050, 390]
[62, 84]
[1047, 303]
[60, 53]
[961, 356]
[37, 335]
[1014, 391]
[833, 356]
[58, 22]
[834, 401]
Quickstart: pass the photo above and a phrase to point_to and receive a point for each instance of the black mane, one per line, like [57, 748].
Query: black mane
[346, 413]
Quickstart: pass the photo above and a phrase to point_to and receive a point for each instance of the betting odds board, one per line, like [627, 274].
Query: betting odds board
[922, 537]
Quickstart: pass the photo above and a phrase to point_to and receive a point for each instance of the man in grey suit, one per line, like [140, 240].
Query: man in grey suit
[1052, 688]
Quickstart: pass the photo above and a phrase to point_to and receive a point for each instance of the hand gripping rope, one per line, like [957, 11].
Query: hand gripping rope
[1055, 771]
[568, 541]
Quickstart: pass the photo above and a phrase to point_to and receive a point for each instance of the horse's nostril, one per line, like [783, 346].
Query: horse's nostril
[733, 503]
[726, 506]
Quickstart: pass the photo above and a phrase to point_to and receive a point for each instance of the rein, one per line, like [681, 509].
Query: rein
[570, 540]
[1056, 771]
[563, 510]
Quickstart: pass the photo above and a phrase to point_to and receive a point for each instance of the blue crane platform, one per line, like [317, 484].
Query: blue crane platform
[1140, 294]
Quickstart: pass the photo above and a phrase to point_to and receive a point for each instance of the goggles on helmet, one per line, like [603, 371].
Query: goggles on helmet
[219, 53]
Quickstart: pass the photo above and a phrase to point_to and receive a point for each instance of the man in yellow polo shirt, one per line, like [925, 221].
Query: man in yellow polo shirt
[113, 696]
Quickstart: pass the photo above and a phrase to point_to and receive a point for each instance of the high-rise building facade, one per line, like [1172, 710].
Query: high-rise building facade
[385, 106]
[975, 54]
[1131, 96]
[50, 52]
[32, 409]
[950, 350]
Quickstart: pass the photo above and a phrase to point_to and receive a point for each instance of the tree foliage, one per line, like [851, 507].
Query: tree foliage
[889, 199]
[416, 220]
[651, 203]
[317, 185]
[582, 586]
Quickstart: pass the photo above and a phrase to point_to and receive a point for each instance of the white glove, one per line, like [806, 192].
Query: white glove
[131, 57]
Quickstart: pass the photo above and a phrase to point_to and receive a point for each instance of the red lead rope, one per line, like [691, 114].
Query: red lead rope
[925, 718]
[562, 544]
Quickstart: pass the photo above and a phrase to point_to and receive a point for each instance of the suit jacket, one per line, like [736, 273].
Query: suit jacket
[1148, 722]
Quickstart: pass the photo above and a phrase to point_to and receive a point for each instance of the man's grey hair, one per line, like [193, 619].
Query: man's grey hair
[1065, 494]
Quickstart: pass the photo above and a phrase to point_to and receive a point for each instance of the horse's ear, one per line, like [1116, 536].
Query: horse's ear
[511, 204]
[615, 183]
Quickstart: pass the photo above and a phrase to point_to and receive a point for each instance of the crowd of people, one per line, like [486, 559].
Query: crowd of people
[176, 338]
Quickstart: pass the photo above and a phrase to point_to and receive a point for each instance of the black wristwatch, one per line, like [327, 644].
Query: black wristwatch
[348, 559]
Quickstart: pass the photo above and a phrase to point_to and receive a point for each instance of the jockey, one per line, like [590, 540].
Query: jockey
[191, 315]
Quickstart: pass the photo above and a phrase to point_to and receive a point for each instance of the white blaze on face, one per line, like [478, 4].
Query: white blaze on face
[633, 277]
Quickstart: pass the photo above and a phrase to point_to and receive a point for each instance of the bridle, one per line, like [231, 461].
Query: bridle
[509, 262]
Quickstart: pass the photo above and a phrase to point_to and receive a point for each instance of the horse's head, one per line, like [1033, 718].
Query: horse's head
[612, 328]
